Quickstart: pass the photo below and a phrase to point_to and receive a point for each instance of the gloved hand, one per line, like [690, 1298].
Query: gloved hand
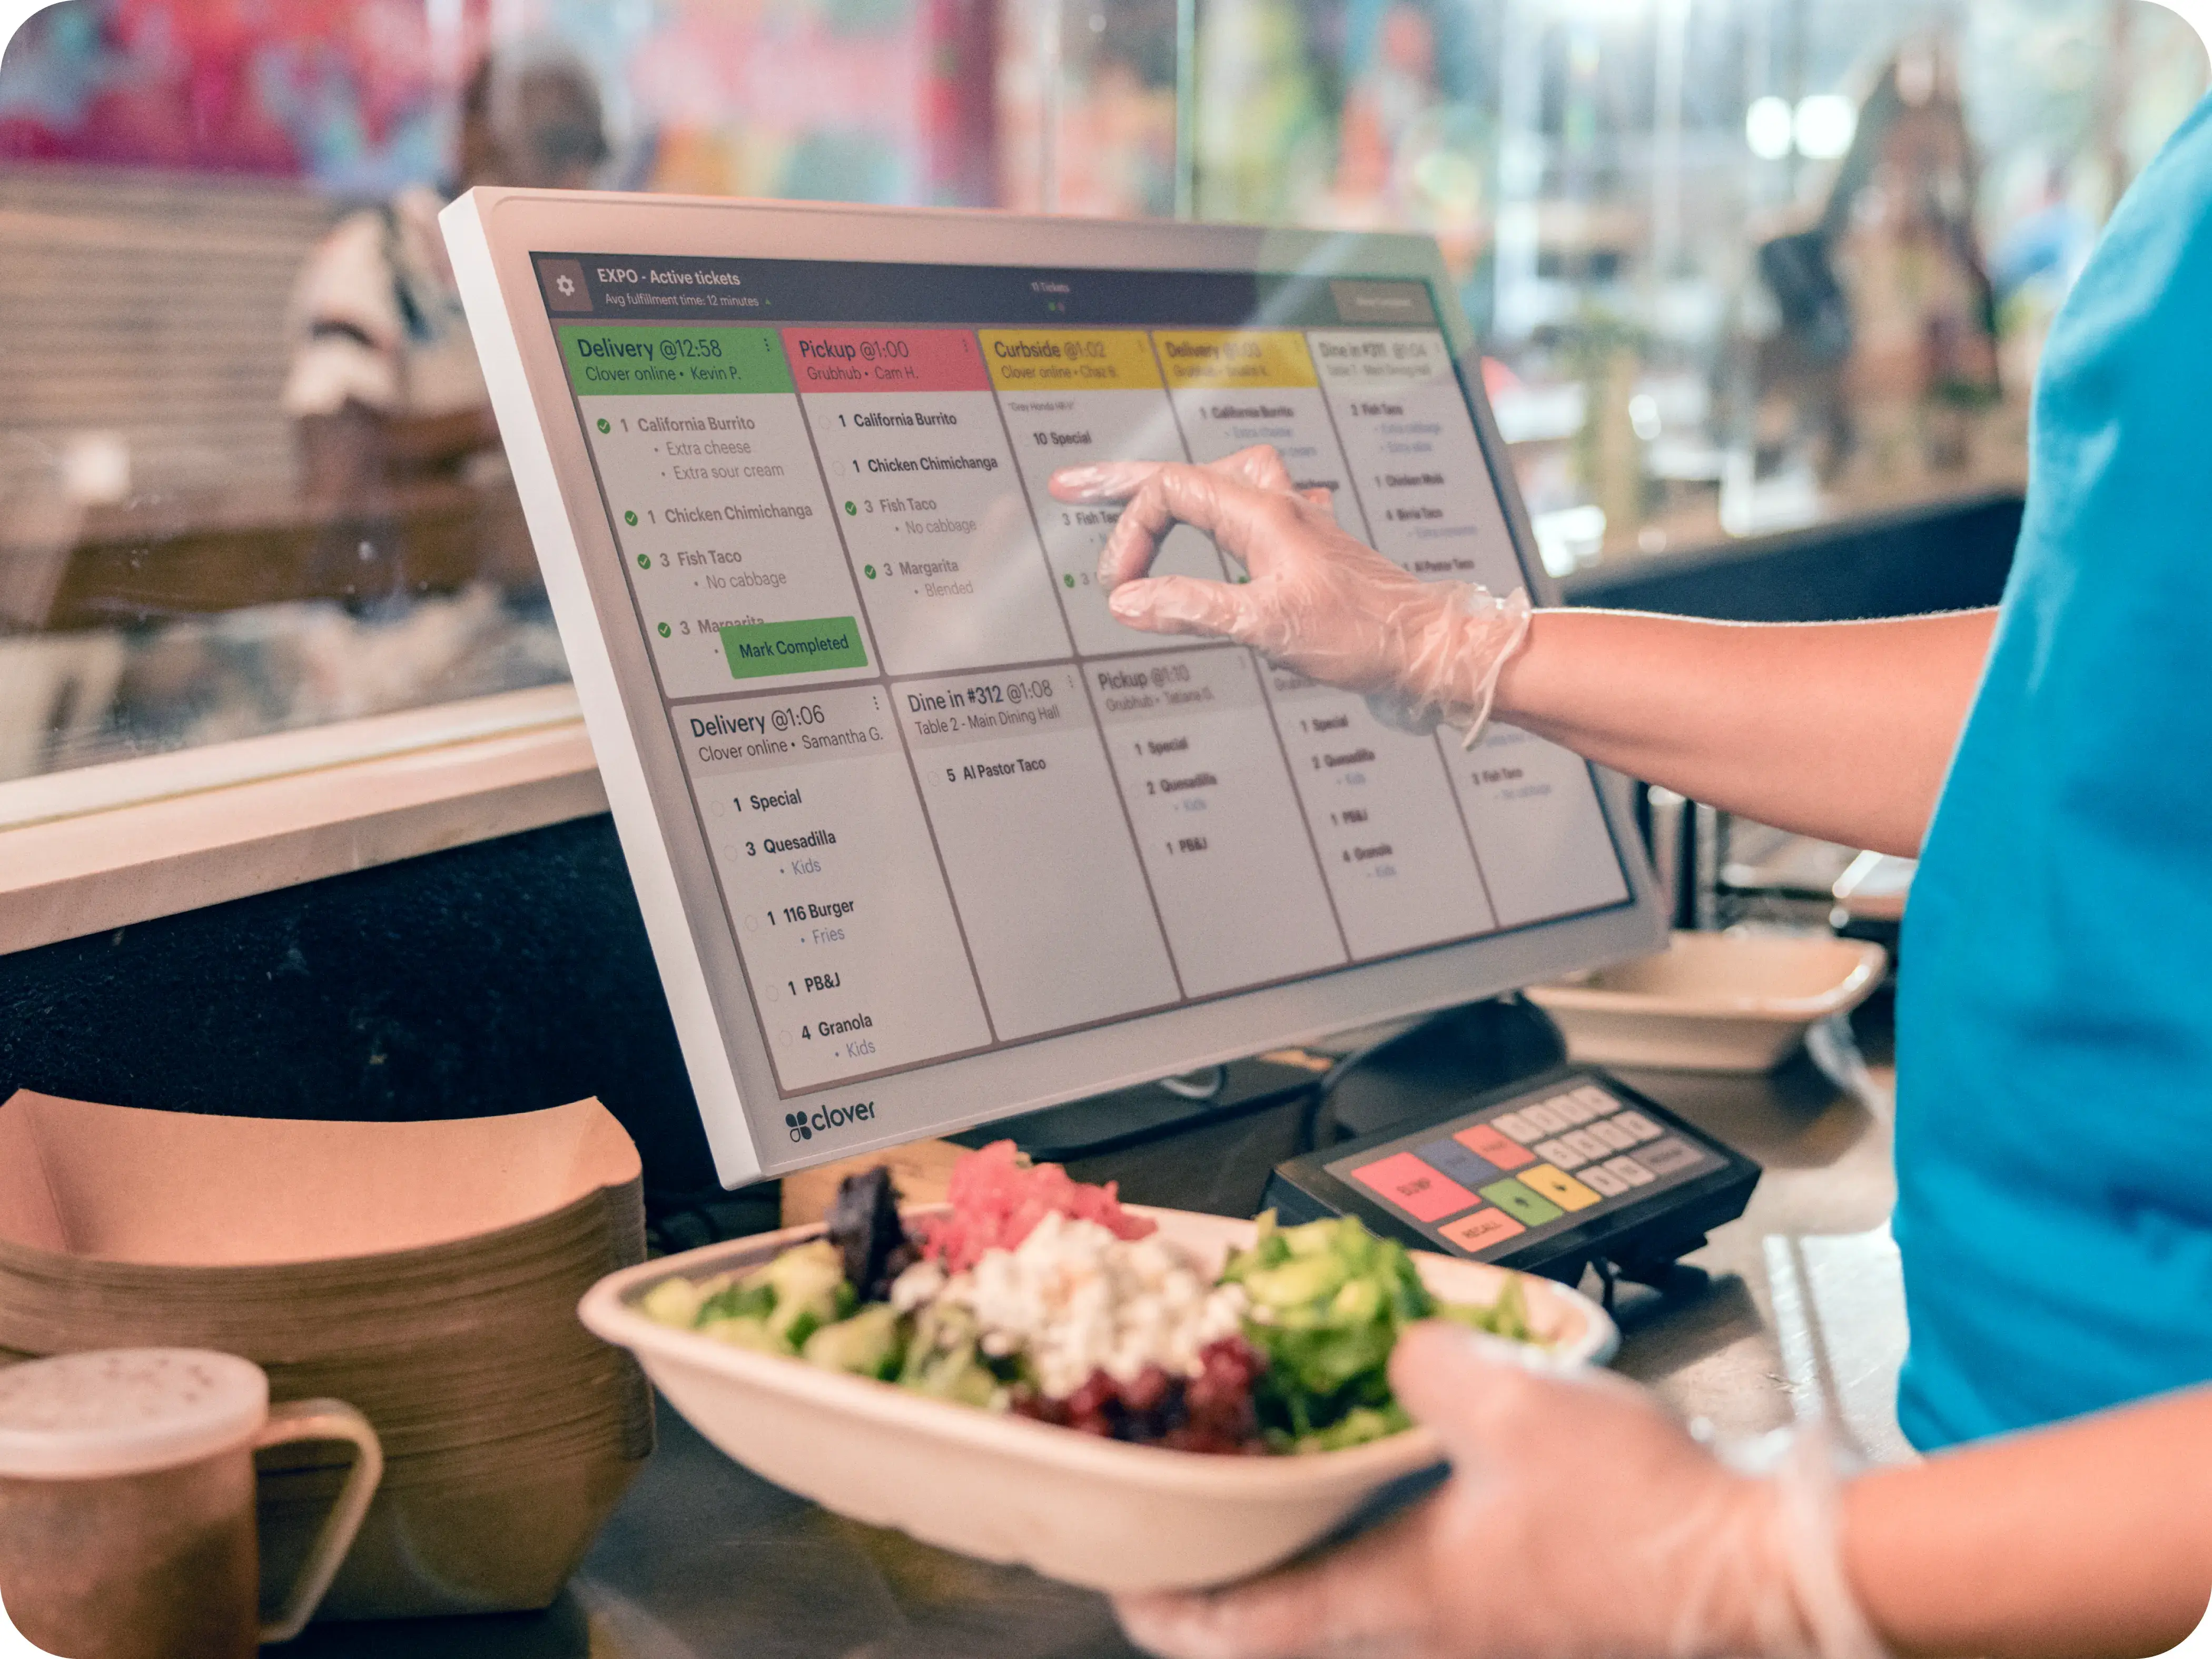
[1318, 601]
[1579, 1520]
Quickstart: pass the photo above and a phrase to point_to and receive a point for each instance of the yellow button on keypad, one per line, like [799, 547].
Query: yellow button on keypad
[1555, 1184]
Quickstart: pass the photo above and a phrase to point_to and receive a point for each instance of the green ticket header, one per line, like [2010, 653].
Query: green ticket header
[641, 359]
[794, 647]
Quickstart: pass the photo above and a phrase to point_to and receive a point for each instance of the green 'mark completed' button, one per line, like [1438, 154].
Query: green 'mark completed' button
[794, 647]
[647, 360]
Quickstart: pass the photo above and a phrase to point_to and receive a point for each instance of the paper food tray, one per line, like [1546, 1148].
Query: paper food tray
[427, 1272]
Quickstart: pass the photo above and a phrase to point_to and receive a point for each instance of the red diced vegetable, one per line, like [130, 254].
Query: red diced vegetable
[998, 1198]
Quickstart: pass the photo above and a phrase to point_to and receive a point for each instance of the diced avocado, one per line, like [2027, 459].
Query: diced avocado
[751, 1334]
[867, 1345]
[671, 1302]
[1295, 1283]
[1314, 1238]
[1266, 1250]
[1326, 1303]
[957, 1376]
[1358, 1299]
[940, 1328]
[974, 1385]
[1358, 1249]
[807, 1282]
[1508, 1317]
[1412, 1298]
[1322, 1361]
[801, 1271]
[942, 1359]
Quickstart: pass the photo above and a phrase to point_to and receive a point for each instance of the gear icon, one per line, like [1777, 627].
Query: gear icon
[567, 284]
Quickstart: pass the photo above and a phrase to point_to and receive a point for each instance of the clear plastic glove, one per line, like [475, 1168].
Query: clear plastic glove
[1318, 602]
[1579, 1520]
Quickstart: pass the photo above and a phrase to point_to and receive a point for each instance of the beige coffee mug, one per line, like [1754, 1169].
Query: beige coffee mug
[126, 1502]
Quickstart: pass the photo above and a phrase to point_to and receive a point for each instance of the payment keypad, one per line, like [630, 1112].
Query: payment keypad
[1505, 1176]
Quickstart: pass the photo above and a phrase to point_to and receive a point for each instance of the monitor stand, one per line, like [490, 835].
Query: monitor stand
[1212, 1153]
[1215, 1154]
[1463, 1051]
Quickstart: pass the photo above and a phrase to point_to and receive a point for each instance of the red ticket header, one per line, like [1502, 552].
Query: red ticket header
[884, 360]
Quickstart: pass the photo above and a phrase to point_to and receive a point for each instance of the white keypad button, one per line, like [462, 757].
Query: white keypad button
[1609, 1130]
[1600, 1179]
[1629, 1171]
[1573, 1111]
[1596, 1099]
[1543, 1117]
[1559, 1153]
[1590, 1145]
[1639, 1125]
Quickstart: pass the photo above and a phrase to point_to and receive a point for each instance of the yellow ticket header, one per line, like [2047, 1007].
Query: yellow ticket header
[1059, 360]
[1209, 360]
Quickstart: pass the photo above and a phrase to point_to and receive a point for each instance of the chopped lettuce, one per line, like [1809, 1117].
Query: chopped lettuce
[1328, 1302]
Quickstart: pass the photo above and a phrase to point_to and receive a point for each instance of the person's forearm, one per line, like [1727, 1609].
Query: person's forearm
[1839, 730]
[2092, 1537]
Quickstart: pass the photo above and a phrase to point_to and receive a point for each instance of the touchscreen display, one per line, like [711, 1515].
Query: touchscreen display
[951, 805]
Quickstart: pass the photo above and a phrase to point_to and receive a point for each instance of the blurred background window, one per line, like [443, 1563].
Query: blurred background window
[1739, 266]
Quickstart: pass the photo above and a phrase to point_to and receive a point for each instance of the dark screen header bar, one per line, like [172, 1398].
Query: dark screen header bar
[684, 290]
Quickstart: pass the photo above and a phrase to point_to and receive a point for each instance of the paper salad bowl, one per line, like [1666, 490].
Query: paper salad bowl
[1102, 1513]
[1711, 1002]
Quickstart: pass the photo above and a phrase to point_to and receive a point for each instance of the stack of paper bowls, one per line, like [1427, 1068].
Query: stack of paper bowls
[428, 1273]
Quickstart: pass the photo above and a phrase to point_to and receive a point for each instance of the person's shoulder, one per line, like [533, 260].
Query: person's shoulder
[2165, 216]
[2141, 296]
[2188, 148]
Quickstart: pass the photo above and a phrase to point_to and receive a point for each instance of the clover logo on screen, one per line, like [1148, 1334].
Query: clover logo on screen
[796, 1122]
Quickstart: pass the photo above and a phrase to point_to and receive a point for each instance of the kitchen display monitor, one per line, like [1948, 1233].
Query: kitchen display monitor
[922, 835]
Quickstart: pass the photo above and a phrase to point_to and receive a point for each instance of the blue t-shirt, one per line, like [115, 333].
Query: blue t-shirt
[2054, 1120]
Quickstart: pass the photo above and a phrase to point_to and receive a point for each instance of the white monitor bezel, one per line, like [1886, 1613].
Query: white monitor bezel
[492, 234]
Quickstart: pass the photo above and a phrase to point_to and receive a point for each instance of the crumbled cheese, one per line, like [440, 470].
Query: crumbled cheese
[1077, 1300]
[918, 1285]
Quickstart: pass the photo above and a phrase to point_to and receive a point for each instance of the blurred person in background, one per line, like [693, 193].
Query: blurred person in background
[384, 386]
[1888, 320]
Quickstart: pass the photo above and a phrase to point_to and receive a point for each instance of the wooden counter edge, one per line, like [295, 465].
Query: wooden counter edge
[67, 877]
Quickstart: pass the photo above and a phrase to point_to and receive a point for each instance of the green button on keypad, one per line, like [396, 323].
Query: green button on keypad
[1522, 1204]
